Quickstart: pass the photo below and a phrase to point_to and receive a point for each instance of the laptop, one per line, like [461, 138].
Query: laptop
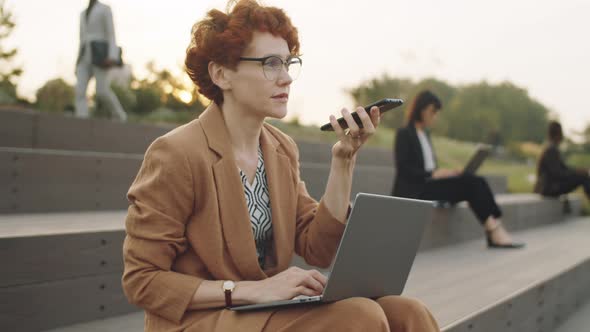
[477, 159]
[376, 251]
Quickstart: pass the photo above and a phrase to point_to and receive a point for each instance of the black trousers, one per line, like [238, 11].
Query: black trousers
[471, 188]
[569, 184]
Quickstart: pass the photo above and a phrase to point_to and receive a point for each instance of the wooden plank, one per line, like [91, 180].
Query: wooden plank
[484, 277]
[577, 322]
[8, 173]
[52, 181]
[39, 259]
[68, 133]
[449, 226]
[62, 132]
[55, 182]
[64, 302]
[16, 128]
[132, 322]
[536, 308]
[114, 177]
[111, 136]
[43, 224]
[53, 131]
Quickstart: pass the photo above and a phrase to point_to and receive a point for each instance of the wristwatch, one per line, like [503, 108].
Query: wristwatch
[228, 287]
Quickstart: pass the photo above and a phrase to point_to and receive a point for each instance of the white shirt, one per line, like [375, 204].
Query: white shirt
[98, 26]
[429, 164]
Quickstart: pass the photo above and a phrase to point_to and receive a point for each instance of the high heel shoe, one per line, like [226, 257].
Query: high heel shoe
[492, 245]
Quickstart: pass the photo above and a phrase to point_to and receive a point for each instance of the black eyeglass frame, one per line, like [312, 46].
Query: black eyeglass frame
[285, 63]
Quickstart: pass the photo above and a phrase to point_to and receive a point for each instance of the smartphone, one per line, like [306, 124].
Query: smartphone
[383, 104]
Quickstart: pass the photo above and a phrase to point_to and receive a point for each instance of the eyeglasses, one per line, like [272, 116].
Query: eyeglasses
[272, 66]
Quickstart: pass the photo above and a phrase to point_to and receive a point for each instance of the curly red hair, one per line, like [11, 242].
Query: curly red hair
[223, 37]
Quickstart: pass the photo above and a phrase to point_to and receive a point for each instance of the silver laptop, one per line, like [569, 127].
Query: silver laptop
[477, 159]
[376, 251]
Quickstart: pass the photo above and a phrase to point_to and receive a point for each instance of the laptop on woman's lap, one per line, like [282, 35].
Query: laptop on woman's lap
[376, 252]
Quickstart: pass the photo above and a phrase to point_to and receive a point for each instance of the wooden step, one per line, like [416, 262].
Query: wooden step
[471, 288]
[36, 130]
[44, 131]
[81, 252]
[41, 180]
[579, 321]
[89, 243]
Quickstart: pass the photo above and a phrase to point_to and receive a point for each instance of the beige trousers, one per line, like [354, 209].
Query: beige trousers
[389, 313]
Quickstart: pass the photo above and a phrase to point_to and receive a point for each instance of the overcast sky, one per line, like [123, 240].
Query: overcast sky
[540, 45]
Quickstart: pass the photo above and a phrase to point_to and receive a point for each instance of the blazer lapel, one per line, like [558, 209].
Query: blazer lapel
[233, 211]
[281, 191]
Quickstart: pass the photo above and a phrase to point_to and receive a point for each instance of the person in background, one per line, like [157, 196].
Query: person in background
[554, 177]
[97, 29]
[417, 174]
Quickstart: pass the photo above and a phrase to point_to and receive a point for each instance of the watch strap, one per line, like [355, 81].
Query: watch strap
[228, 298]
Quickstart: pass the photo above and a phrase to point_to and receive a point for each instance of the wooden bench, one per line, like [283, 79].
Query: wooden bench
[59, 269]
[470, 288]
[70, 263]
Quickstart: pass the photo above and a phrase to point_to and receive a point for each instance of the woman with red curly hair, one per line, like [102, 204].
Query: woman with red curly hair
[218, 207]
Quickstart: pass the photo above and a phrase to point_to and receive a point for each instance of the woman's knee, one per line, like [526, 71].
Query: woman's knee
[476, 182]
[364, 311]
[401, 304]
[102, 94]
[103, 88]
[403, 311]
[476, 179]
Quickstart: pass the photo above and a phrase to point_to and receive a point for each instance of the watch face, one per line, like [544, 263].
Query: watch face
[228, 285]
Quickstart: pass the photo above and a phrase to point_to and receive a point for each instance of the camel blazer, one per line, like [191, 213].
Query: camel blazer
[188, 222]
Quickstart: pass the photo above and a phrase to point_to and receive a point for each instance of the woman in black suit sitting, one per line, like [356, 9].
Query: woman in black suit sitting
[417, 175]
[554, 177]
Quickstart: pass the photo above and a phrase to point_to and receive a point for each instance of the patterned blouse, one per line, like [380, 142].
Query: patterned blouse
[258, 201]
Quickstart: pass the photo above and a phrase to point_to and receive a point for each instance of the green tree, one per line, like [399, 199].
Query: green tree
[388, 87]
[162, 89]
[586, 138]
[478, 112]
[504, 110]
[8, 73]
[384, 87]
[55, 96]
[148, 98]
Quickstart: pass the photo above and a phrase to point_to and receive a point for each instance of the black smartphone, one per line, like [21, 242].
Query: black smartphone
[383, 104]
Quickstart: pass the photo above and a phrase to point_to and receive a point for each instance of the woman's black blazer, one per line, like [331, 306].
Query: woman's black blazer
[410, 176]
